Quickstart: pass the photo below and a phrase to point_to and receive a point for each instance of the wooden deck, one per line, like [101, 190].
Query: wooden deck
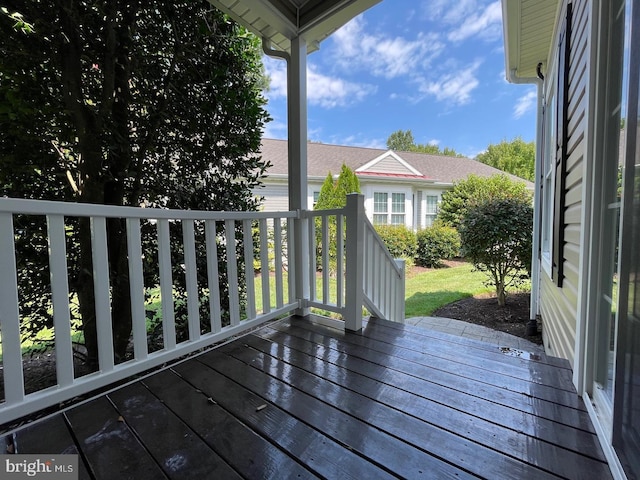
[296, 399]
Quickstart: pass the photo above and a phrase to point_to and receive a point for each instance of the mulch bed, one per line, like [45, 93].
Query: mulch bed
[484, 310]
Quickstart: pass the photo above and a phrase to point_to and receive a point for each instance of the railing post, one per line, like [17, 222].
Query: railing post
[355, 261]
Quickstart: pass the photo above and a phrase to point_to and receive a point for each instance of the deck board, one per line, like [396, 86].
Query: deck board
[296, 399]
[177, 449]
[455, 411]
[215, 425]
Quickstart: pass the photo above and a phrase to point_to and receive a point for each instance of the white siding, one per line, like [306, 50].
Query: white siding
[390, 165]
[276, 197]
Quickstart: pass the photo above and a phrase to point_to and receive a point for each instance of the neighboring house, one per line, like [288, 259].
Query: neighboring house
[584, 58]
[400, 188]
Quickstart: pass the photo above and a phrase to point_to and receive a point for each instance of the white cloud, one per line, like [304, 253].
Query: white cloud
[525, 104]
[275, 129]
[456, 86]
[466, 18]
[486, 24]
[383, 56]
[277, 72]
[449, 12]
[359, 141]
[323, 90]
[330, 92]
[433, 141]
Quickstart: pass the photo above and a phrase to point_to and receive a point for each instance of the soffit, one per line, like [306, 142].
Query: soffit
[279, 21]
[529, 27]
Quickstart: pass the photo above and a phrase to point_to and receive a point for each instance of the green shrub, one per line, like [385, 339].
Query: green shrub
[475, 190]
[400, 240]
[496, 236]
[437, 243]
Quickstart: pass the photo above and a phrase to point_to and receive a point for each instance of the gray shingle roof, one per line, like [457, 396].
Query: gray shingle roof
[323, 158]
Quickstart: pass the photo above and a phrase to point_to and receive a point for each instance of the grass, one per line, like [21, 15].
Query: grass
[427, 291]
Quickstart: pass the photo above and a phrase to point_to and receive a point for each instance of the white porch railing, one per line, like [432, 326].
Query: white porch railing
[365, 274]
[357, 253]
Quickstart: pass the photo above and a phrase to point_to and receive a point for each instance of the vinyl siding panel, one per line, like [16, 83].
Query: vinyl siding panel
[390, 165]
[276, 197]
[558, 336]
[559, 306]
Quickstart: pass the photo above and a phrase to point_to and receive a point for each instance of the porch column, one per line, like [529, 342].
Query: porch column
[297, 133]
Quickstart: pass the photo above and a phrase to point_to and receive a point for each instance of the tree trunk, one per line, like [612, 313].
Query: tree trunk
[501, 293]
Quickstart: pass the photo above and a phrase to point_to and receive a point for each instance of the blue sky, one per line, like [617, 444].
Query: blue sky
[434, 67]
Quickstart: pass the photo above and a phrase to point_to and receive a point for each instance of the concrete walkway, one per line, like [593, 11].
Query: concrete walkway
[477, 332]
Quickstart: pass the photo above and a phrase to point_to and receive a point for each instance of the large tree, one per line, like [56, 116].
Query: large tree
[516, 157]
[403, 141]
[122, 103]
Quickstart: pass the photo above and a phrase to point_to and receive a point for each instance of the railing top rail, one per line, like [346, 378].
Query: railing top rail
[372, 231]
[325, 213]
[72, 209]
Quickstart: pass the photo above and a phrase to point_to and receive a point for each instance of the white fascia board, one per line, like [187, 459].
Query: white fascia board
[511, 32]
[388, 153]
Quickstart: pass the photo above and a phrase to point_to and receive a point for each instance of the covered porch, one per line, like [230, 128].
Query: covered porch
[300, 398]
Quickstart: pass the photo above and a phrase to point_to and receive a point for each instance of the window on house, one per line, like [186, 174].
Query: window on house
[397, 207]
[432, 210]
[380, 208]
[548, 178]
[316, 195]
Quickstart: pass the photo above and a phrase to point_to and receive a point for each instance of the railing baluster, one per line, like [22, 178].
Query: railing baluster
[277, 240]
[340, 260]
[212, 276]
[136, 287]
[102, 295]
[191, 277]
[312, 252]
[264, 265]
[369, 261]
[10, 316]
[248, 269]
[401, 291]
[60, 299]
[326, 248]
[232, 271]
[166, 285]
[291, 249]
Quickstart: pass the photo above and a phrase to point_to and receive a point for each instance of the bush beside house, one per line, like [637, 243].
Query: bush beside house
[437, 243]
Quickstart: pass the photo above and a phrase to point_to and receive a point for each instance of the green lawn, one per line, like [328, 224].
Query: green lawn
[424, 292]
[427, 291]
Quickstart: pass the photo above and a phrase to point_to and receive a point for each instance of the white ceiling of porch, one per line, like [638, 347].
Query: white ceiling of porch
[281, 20]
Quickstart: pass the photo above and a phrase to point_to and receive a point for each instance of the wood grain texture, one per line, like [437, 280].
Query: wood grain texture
[296, 399]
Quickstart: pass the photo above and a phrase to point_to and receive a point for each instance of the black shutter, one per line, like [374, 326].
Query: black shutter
[562, 134]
